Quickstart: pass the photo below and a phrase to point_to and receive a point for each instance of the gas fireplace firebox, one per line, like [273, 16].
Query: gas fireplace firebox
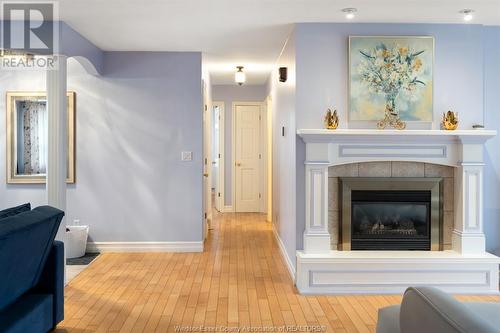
[390, 220]
[391, 213]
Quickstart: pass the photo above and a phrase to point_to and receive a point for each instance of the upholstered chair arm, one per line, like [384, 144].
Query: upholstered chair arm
[52, 280]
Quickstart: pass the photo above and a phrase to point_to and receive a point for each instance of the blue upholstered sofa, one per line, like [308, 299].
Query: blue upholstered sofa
[31, 270]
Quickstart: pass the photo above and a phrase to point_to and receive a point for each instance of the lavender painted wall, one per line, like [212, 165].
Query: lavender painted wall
[283, 107]
[72, 44]
[229, 94]
[459, 78]
[132, 124]
[491, 41]
[75, 45]
[322, 69]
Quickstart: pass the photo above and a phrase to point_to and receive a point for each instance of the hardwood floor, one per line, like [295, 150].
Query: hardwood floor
[239, 281]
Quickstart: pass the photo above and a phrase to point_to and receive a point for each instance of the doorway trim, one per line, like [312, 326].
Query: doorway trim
[222, 154]
[269, 157]
[233, 150]
[207, 160]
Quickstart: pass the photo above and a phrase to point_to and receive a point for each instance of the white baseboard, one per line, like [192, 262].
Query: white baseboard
[284, 254]
[144, 247]
[227, 209]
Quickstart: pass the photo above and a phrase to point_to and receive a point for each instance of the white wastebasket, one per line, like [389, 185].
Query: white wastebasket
[76, 240]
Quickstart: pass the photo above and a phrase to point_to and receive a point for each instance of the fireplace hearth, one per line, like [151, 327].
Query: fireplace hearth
[391, 214]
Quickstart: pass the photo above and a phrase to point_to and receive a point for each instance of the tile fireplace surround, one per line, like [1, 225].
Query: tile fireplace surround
[463, 267]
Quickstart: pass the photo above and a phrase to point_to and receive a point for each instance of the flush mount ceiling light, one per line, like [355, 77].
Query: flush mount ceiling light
[239, 76]
[467, 13]
[349, 13]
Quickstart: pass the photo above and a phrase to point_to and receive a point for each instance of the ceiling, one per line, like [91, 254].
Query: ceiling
[250, 33]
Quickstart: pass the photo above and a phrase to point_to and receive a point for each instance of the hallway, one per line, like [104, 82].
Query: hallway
[240, 281]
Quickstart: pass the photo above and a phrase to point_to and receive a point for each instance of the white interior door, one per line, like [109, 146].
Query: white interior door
[247, 157]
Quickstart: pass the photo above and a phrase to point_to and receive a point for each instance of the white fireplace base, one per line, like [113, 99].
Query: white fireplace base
[388, 272]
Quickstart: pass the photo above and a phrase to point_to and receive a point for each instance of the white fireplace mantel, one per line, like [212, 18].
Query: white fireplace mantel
[419, 136]
[462, 149]
[361, 145]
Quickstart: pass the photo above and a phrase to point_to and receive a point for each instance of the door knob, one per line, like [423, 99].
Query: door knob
[238, 164]
[205, 175]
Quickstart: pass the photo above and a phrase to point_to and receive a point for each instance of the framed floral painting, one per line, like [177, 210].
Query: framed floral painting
[391, 78]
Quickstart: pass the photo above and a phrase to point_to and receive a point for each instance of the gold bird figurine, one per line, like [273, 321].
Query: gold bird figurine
[331, 120]
[450, 121]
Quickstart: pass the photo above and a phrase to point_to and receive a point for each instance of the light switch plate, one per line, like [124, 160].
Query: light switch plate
[187, 156]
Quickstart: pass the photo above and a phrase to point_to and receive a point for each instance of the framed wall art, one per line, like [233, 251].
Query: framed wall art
[27, 137]
[391, 79]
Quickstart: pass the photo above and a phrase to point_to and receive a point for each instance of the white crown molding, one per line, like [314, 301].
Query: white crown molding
[101, 247]
[284, 254]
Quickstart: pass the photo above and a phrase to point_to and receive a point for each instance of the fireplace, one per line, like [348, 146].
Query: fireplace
[407, 161]
[391, 213]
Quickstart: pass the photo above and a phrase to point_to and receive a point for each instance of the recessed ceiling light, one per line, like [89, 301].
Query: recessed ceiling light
[467, 13]
[349, 13]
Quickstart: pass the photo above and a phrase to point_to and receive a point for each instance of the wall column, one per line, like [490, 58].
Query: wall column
[57, 160]
[316, 235]
[468, 236]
